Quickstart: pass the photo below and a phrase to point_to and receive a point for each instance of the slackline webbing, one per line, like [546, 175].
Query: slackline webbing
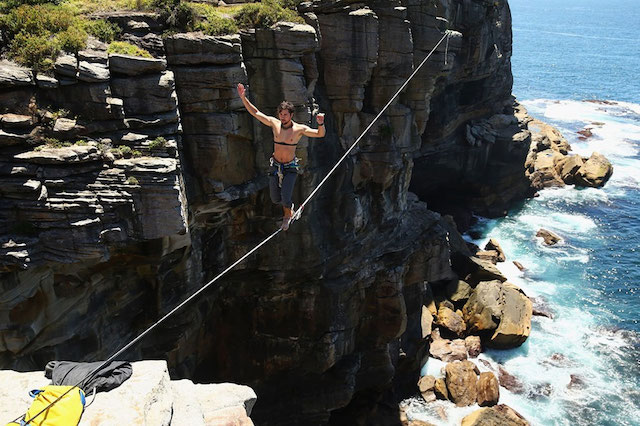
[295, 216]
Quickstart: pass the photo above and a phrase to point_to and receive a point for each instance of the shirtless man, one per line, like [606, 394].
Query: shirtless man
[284, 164]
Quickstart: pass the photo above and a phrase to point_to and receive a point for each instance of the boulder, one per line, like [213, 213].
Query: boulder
[499, 415]
[483, 309]
[461, 380]
[549, 237]
[450, 320]
[502, 308]
[64, 127]
[568, 167]
[458, 291]
[426, 322]
[515, 318]
[440, 388]
[485, 271]
[473, 345]
[426, 386]
[448, 350]
[490, 255]
[545, 136]
[595, 172]
[493, 245]
[488, 389]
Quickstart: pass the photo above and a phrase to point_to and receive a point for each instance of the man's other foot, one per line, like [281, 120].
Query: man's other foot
[286, 221]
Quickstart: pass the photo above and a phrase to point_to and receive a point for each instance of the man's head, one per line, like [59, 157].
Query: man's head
[285, 112]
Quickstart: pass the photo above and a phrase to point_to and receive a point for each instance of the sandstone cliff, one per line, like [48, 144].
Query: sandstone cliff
[325, 320]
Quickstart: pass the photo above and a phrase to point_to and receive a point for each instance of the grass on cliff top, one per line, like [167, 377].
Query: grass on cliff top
[36, 31]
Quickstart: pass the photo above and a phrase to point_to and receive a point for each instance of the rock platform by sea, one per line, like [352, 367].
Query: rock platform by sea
[148, 397]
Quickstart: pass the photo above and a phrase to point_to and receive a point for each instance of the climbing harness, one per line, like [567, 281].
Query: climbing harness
[296, 215]
[283, 168]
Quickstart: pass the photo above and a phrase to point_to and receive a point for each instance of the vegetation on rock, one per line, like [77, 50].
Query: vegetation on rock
[103, 30]
[266, 13]
[125, 48]
[158, 142]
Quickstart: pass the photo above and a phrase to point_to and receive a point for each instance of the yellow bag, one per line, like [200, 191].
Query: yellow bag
[67, 411]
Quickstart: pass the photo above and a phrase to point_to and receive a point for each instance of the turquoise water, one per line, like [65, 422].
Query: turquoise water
[566, 52]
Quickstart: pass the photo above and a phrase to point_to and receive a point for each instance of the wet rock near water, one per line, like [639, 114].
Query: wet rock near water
[499, 415]
[548, 237]
[501, 310]
[550, 164]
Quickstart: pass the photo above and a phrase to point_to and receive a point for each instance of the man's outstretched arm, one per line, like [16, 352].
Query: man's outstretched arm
[263, 118]
[319, 132]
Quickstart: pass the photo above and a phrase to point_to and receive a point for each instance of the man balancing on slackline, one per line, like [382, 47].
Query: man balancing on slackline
[284, 164]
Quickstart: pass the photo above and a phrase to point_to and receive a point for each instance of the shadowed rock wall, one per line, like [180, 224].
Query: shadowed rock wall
[326, 316]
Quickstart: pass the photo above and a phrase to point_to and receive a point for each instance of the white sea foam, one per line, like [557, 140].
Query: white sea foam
[571, 195]
[568, 224]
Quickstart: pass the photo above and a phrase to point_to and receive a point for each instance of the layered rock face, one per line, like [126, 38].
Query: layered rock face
[326, 318]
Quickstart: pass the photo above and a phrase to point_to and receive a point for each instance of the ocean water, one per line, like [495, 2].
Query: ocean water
[583, 366]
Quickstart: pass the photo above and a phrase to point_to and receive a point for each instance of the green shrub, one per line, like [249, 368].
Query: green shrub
[158, 142]
[135, 153]
[176, 13]
[36, 20]
[217, 25]
[124, 151]
[60, 113]
[81, 143]
[73, 39]
[12, 4]
[131, 180]
[125, 48]
[104, 147]
[52, 143]
[103, 30]
[37, 52]
[264, 15]
[287, 4]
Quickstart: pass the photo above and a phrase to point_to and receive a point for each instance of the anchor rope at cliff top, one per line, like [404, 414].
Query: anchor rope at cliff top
[296, 215]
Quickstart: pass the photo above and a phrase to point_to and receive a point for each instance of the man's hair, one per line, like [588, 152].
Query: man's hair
[286, 105]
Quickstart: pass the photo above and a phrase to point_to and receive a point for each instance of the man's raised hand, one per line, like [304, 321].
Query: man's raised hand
[241, 90]
[320, 118]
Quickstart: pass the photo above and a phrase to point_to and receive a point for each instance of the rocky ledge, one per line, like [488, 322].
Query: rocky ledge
[148, 397]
